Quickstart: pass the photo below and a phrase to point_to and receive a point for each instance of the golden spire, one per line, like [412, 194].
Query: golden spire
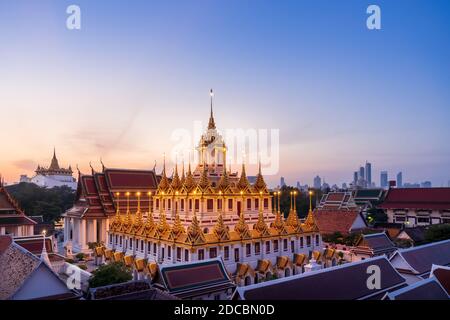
[260, 184]
[195, 234]
[204, 181]
[177, 227]
[176, 183]
[211, 124]
[128, 220]
[164, 183]
[243, 181]
[220, 230]
[224, 182]
[162, 224]
[261, 225]
[242, 228]
[183, 176]
[149, 222]
[138, 219]
[279, 223]
[54, 164]
[189, 183]
[310, 221]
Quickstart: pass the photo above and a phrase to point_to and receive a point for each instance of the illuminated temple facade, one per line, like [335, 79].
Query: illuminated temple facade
[206, 213]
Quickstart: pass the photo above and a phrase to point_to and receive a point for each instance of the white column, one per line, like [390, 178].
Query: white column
[83, 233]
[94, 231]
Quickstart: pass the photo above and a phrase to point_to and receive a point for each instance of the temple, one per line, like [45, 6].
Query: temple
[200, 214]
[13, 220]
[53, 176]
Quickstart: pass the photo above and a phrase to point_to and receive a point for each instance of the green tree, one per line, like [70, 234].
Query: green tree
[437, 232]
[115, 272]
[47, 202]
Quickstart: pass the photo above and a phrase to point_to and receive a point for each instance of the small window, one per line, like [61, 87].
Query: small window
[266, 203]
[226, 253]
[248, 249]
[257, 248]
[210, 204]
[186, 255]
[256, 204]
[201, 254]
[285, 244]
[236, 255]
[317, 240]
[230, 204]
[292, 246]
[301, 242]
[178, 254]
[219, 204]
[308, 241]
[169, 252]
[212, 252]
[275, 245]
[182, 204]
[249, 204]
[267, 246]
[197, 204]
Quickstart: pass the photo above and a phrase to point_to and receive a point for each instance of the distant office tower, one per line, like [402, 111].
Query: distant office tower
[369, 174]
[317, 182]
[282, 182]
[361, 173]
[355, 178]
[384, 179]
[298, 185]
[399, 180]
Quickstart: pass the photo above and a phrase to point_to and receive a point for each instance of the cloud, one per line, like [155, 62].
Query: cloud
[25, 164]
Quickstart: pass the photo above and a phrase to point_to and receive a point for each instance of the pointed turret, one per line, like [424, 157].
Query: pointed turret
[224, 181]
[44, 254]
[260, 184]
[189, 183]
[242, 228]
[164, 183]
[54, 164]
[211, 123]
[176, 183]
[195, 234]
[261, 225]
[183, 176]
[243, 181]
[177, 227]
[220, 230]
[204, 181]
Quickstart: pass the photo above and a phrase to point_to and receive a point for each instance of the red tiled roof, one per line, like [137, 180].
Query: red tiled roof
[417, 198]
[34, 245]
[330, 221]
[192, 277]
[335, 196]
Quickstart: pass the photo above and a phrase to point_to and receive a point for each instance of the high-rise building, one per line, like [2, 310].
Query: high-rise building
[355, 178]
[282, 182]
[384, 179]
[369, 174]
[361, 173]
[317, 182]
[399, 180]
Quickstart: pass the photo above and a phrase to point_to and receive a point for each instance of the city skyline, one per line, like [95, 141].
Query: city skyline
[112, 89]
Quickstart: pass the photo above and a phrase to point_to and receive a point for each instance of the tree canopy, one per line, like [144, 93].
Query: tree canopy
[38, 201]
[115, 272]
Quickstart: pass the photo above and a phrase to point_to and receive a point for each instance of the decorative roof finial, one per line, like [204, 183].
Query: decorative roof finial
[211, 124]
[103, 166]
[44, 255]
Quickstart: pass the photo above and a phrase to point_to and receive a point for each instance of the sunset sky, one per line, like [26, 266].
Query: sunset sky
[340, 94]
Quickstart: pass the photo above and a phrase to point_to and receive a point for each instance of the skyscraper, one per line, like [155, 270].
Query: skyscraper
[355, 178]
[282, 182]
[399, 180]
[384, 179]
[361, 173]
[317, 182]
[369, 174]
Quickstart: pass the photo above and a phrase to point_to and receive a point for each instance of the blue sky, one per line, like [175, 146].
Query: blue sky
[339, 93]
